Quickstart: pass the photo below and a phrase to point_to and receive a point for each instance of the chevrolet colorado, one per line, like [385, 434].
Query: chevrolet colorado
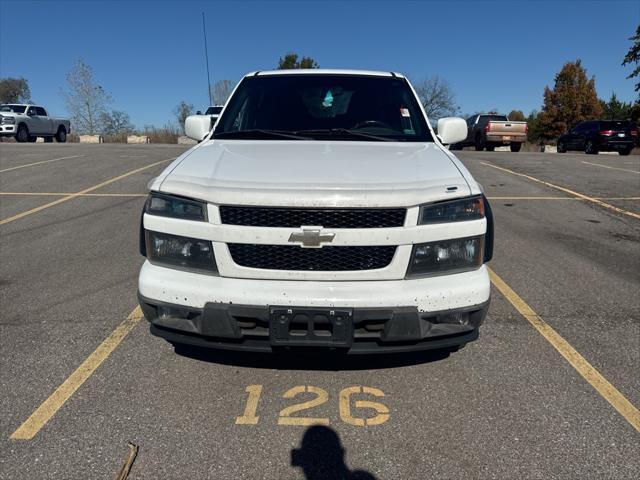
[321, 212]
[28, 122]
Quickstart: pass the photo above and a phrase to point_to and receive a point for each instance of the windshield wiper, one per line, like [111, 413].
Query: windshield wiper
[345, 132]
[258, 133]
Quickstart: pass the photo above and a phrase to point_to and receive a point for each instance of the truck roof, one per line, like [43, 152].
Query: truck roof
[324, 71]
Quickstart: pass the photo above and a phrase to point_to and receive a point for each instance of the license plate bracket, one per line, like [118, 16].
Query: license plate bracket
[311, 326]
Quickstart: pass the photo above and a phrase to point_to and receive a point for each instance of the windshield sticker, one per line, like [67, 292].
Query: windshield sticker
[404, 112]
[328, 100]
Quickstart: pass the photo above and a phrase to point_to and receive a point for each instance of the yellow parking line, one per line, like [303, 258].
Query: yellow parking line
[51, 405]
[566, 190]
[610, 393]
[612, 168]
[549, 198]
[50, 194]
[77, 194]
[40, 163]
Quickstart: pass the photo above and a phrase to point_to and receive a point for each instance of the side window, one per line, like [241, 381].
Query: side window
[471, 121]
[32, 111]
[41, 112]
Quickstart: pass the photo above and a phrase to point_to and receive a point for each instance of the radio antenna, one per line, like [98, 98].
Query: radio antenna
[206, 57]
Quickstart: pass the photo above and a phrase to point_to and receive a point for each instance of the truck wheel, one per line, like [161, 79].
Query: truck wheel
[23, 134]
[590, 148]
[625, 152]
[515, 147]
[61, 136]
[561, 148]
[478, 143]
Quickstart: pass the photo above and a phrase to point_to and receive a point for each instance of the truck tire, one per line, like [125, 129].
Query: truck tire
[590, 148]
[61, 135]
[22, 136]
[515, 147]
[625, 152]
[561, 148]
[478, 143]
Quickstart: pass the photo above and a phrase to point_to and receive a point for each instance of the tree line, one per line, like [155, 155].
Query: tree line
[572, 99]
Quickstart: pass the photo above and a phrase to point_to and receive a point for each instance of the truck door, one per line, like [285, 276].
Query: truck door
[46, 124]
[35, 121]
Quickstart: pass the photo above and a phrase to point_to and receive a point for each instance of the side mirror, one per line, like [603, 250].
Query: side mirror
[452, 130]
[197, 127]
[31, 113]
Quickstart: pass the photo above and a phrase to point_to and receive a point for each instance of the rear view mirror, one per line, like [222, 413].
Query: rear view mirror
[452, 130]
[197, 127]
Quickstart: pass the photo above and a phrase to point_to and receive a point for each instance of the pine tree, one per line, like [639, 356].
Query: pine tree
[573, 99]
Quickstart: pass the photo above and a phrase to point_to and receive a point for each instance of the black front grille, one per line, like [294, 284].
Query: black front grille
[322, 217]
[326, 259]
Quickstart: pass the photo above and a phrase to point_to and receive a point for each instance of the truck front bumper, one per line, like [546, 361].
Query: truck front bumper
[8, 130]
[383, 316]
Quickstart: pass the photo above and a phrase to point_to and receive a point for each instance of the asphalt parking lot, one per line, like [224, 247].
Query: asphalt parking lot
[550, 390]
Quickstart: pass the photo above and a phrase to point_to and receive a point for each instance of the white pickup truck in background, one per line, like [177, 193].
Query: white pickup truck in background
[194, 121]
[27, 122]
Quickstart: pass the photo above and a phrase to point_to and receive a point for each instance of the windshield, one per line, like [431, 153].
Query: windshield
[213, 111]
[494, 118]
[12, 108]
[321, 106]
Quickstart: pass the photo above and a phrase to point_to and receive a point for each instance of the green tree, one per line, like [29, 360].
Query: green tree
[290, 61]
[516, 116]
[614, 109]
[14, 90]
[86, 100]
[534, 133]
[633, 57]
[573, 99]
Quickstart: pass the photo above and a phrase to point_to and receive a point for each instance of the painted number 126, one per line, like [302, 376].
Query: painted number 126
[350, 404]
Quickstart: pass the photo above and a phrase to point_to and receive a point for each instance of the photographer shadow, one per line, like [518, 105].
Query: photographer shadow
[322, 456]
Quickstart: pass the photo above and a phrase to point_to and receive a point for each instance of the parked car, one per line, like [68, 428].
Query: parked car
[322, 211]
[213, 112]
[600, 136]
[27, 122]
[491, 130]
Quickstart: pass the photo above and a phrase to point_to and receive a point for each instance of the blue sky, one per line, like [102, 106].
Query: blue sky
[149, 55]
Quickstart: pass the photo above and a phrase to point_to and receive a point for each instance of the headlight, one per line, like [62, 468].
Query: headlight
[462, 209]
[177, 207]
[180, 252]
[8, 120]
[446, 256]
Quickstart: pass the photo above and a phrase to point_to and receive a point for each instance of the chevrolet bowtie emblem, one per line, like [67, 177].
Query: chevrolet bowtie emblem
[311, 237]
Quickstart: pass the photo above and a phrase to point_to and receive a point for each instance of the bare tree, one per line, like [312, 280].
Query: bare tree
[221, 91]
[437, 97]
[86, 100]
[182, 111]
[116, 122]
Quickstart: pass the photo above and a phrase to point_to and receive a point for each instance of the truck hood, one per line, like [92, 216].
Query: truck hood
[315, 173]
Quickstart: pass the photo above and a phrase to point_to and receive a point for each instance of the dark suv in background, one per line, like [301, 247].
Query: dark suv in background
[600, 135]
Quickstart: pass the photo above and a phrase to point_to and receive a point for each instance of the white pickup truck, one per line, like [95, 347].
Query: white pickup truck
[194, 121]
[321, 212]
[28, 122]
